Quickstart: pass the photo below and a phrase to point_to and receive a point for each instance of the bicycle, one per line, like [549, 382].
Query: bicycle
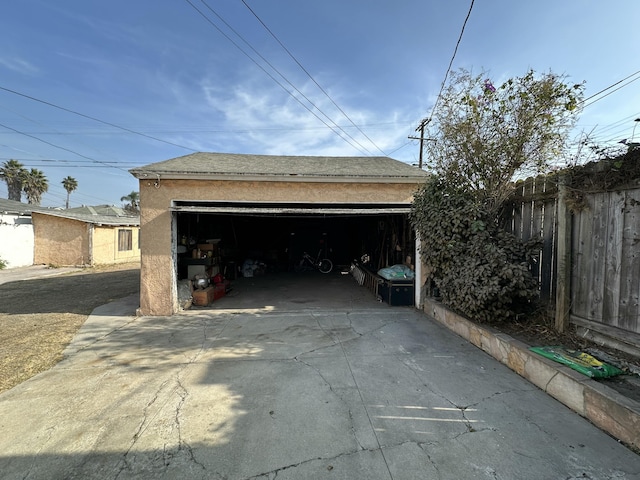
[323, 265]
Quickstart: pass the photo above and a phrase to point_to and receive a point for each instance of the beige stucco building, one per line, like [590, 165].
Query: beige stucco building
[85, 236]
[270, 208]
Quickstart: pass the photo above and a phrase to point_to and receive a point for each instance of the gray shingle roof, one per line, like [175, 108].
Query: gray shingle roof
[11, 206]
[98, 215]
[207, 165]
[105, 210]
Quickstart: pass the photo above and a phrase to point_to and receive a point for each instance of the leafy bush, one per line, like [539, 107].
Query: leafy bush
[485, 134]
[480, 270]
[482, 136]
[3, 264]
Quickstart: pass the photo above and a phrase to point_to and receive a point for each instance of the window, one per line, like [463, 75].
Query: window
[125, 240]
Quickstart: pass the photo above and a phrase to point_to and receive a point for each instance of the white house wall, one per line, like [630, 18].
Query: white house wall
[16, 240]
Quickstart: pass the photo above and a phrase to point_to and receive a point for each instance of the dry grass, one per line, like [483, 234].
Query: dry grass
[39, 317]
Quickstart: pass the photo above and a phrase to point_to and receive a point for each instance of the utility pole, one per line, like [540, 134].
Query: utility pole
[423, 123]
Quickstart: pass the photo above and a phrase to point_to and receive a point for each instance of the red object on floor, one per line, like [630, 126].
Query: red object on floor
[219, 291]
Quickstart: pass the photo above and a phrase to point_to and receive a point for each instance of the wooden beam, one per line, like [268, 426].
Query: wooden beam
[563, 290]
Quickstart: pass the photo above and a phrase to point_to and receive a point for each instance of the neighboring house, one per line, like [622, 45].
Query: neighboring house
[16, 233]
[86, 236]
[271, 209]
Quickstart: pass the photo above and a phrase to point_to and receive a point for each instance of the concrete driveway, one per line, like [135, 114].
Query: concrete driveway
[298, 380]
[33, 271]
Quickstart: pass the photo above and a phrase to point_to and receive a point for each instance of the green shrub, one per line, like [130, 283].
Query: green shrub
[3, 264]
[479, 269]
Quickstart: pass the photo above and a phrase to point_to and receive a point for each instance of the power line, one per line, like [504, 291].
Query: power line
[310, 76]
[117, 165]
[58, 146]
[427, 120]
[610, 87]
[361, 148]
[612, 91]
[212, 129]
[446, 75]
[94, 118]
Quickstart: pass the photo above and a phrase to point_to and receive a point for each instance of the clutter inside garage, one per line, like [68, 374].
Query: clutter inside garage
[216, 249]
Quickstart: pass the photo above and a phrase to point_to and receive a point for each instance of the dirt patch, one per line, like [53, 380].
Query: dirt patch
[39, 317]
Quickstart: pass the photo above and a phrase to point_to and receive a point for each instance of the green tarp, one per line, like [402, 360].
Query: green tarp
[579, 361]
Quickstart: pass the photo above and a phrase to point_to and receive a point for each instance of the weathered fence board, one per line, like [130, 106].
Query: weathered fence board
[533, 217]
[613, 257]
[598, 215]
[605, 249]
[548, 268]
[629, 310]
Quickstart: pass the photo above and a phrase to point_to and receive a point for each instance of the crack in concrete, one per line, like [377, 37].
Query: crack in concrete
[334, 341]
[125, 463]
[364, 405]
[461, 408]
[182, 445]
[403, 362]
[431, 461]
[273, 474]
[546, 386]
[339, 397]
[182, 393]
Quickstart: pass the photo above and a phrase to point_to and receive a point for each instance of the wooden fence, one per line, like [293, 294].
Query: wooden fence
[531, 214]
[602, 279]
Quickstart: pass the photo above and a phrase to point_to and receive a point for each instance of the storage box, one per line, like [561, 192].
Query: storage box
[193, 270]
[396, 292]
[203, 297]
[206, 247]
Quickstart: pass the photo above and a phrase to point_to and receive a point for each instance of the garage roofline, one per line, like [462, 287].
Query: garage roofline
[291, 177]
[281, 168]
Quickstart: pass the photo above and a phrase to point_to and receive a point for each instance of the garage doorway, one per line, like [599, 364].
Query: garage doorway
[222, 237]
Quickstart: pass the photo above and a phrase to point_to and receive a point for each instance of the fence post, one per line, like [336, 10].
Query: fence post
[563, 285]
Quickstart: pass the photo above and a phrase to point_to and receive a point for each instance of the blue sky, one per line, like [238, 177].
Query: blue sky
[155, 80]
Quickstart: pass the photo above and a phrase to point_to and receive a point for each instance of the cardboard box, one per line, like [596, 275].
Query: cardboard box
[193, 270]
[206, 247]
[203, 297]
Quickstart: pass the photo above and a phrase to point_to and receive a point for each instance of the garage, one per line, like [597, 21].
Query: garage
[230, 213]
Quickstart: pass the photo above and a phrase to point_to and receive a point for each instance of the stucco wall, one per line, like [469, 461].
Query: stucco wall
[105, 245]
[158, 279]
[60, 241]
[16, 240]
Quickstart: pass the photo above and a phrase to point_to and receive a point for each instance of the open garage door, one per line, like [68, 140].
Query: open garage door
[276, 235]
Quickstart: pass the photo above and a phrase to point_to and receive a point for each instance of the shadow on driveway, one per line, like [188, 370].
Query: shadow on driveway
[260, 387]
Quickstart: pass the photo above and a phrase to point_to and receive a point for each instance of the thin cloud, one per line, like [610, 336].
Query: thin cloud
[266, 120]
[19, 65]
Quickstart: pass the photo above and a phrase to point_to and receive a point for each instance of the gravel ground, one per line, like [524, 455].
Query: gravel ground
[39, 317]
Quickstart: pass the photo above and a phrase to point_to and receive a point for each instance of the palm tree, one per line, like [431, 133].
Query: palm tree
[133, 202]
[13, 172]
[34, 185]
[69, 184]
